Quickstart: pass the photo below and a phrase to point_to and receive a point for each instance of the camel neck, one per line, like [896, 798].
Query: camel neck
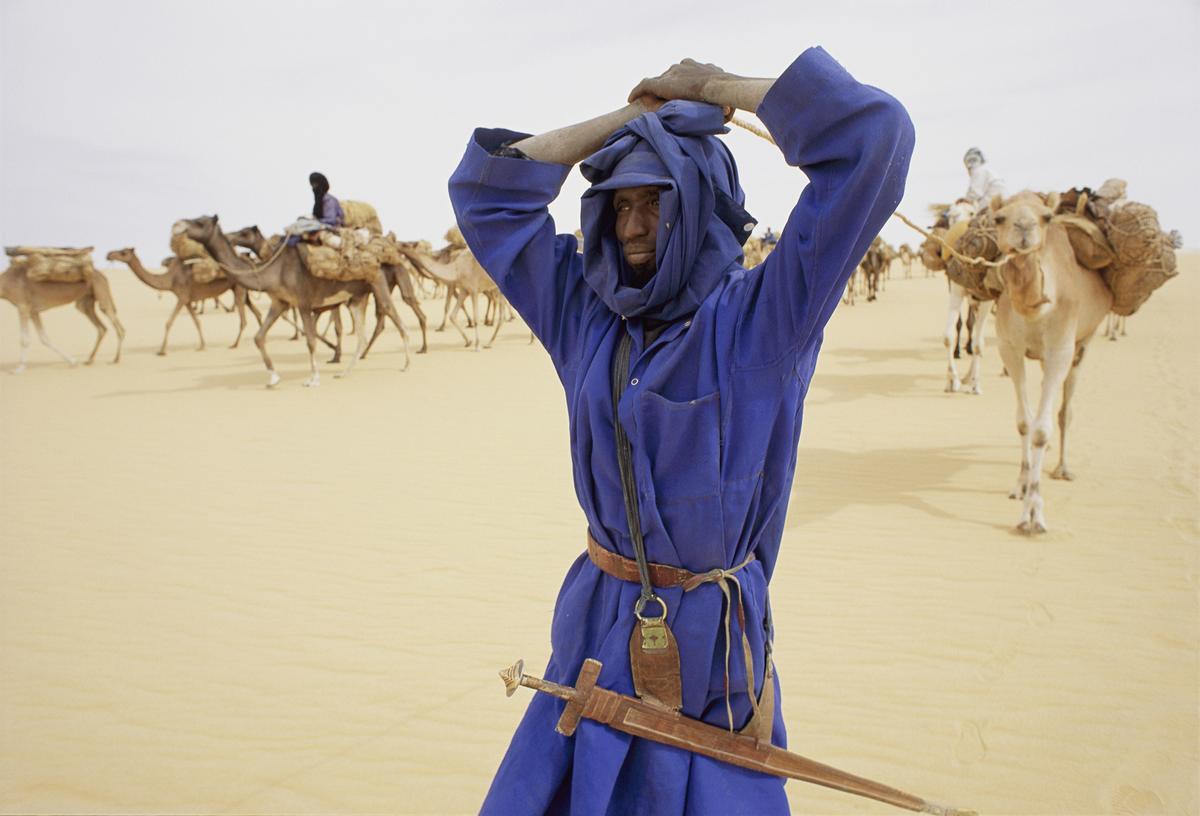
[147, 277]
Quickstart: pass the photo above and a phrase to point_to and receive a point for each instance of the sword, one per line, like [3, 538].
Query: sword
[641, 719]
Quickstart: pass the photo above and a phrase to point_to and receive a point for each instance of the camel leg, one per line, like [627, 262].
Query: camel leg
[447, 310]
[415, 305]
[499, 322]
[975, 386]
[475, 316]
[87, 306]
[179, 304]
[45, 338]
[242, 301]
[1056, 365]
[278, 307]
[25, 343]
[383, 297]
[458, 296]
[308, 319]
[295, 323]
[335, 318]
[1014, 361]
[1064, 418]
[196, 320]
[379, 318]
[358, 321]
[950, 338]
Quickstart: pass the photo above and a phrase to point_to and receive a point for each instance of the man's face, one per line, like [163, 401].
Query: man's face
[637, 228]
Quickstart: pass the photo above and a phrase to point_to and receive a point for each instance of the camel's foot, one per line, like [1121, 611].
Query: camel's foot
[162, 352]
[235, 345]
[201, 348]
[975, 388]
[1112, 337]
[72, 362]
[1032, 527]
[272, 378]
[1061, 472]
[423, 350]
[313, 381]
[953, 386]
[335, 359]
[18, 370]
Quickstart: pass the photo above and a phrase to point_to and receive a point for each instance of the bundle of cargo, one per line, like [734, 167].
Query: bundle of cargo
[361, 215]
[1121, 239]
[345, 255]
[195, 258]
[975, 239]
[53, 264]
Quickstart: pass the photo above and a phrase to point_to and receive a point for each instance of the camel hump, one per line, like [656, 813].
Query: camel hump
[361, 215]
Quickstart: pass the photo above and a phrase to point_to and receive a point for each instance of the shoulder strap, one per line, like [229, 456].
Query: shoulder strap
[620, 377]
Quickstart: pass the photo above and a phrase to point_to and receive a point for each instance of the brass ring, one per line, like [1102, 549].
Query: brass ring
[641, 605]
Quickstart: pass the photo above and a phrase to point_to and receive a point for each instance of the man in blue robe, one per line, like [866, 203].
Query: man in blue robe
[721, 360]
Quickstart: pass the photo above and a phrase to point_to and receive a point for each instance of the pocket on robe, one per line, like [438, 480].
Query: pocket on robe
[682, 441]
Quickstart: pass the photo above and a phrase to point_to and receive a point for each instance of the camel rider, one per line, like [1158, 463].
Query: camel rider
[326, 208]
[685, 376]
[769, 238]
[983, 184]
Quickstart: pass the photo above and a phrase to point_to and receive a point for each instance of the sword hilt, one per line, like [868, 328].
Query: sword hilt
[514, 677]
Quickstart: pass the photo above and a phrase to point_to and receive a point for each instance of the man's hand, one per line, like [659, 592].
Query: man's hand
[683, 80]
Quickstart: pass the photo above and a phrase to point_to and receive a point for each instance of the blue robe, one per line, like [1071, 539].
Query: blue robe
[713, 407]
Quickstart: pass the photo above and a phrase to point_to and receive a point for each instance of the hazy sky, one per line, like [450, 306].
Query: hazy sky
[117, 118]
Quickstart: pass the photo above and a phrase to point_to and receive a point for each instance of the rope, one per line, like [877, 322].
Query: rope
[757, 131]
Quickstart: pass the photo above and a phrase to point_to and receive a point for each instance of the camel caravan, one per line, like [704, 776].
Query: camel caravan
[305, 273]
[1055, 266]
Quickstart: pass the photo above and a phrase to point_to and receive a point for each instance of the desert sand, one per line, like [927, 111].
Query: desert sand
[216, 598]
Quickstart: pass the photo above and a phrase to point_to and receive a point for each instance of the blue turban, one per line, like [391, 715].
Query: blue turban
[701, 224]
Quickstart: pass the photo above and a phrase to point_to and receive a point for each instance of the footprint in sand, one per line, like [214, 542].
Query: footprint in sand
[1038, 615]
[1131, 801]
[970, 747]
[992, 668]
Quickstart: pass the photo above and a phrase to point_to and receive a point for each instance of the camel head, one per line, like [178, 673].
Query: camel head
[199, 229]
[1021, 221]
[123, 255]
[249, 237]
[961, 210]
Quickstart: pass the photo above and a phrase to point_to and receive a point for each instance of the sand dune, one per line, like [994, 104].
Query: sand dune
[216, 598]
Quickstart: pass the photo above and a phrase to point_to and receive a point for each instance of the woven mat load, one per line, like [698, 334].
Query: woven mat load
[360, 214]
[352, 259]
[195, 257]
[1145, 257]
[977, 240]
[931, 251]
[58, 266]
[454, 238]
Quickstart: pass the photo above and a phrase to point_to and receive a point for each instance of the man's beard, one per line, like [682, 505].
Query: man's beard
[643, 273]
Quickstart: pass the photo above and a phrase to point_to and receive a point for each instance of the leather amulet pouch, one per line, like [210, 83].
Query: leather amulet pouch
[654, 658]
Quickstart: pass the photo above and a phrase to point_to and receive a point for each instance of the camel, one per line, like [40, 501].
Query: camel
[963, 211]
[178, 280]
[464, 277]
[907, 256]
[286, 279]
[1049, 310]
[32, 297]
[873, 266]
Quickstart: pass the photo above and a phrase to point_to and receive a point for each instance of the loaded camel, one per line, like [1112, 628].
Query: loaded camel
[286, 279]
[178, 280]
[32, 297]
[906, 256]
[961, 213]
[463, 276]
[1049, 310]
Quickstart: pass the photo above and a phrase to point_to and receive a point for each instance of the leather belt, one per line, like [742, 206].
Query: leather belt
[664, 576]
